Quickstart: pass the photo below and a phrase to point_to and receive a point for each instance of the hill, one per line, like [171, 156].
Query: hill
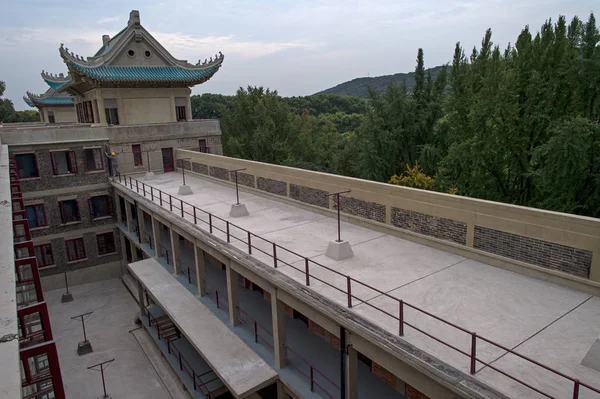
[359, 87]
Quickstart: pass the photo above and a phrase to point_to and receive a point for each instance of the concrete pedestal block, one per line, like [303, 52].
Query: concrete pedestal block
[184, 189]
[339, 250]
[592, 358]
[67, 297]
[84, 347]
[238, 210]
[149, 175]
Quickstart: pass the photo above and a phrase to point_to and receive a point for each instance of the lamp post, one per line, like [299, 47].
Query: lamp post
[84, 347]
[149, 173]
[338, 249]
[103, 366]
[67, 296]
[237, 209]
[184, 189]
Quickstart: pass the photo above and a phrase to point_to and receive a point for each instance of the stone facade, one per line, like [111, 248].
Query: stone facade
[309, 195]
[199, 168]
[537, 252]
[442, 228]
[361, 208]
[272, 186]
[246, 179]
[219, 173]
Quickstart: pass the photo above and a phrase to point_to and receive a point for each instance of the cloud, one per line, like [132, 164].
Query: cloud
[107, 20]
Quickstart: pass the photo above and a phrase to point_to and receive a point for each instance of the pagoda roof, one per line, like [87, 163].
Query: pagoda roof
[50, 97]
[109, 66]
[56, 82]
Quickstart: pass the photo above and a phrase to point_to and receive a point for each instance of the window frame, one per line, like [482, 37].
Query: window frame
[109, 207]
[137, 155]
[181, 110]
[108, 114]
[106, 247]
[43, 208]
[62, 212]
[85, 164]
[76, 258]
[35, 162]
[44, 255]
[71, 163]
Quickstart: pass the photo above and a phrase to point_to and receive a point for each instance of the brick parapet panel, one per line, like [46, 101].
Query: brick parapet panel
[200, 168]
[533, 251]
[246, 179]
[433, 226]
[309, 195]
[365, 209]
[219, 173]
[272, 186]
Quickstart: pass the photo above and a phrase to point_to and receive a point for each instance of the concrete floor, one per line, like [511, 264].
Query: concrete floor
[131, 375]
[514, 310]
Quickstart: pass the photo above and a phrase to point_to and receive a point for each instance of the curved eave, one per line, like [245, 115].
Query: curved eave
[58, 86]
[28, 101]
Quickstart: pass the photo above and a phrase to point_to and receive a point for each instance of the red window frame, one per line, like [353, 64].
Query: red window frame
[46, 257]
[106, 243]
[85, 114]
[108, 206]
[77, 251]
[71, 163]
[37, 169]
[93, 151]
[181, 113]
[44, 221]
[61, 206]
[137, 154]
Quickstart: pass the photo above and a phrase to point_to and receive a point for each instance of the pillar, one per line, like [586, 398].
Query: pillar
[279, 335]
[142, 223]
[123, 250]
[281, 393]
[175, 251]
[351, 373]
[156, 236]
[134, 254]
[117, 204]
[200, 270]
[128, 215]
[233, 295]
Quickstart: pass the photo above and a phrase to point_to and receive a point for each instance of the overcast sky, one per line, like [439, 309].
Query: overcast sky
[296, 47]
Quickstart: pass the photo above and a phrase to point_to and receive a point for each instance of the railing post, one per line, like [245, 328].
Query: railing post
[189, 277]
[275, 255]
[312, 379]
[167, 255]
[137, 186]
[217, 296]
[151, 193]
[158, 330]
[227, 224]
[130, 184]
[181, 203]
[576, 389]
[195, 219]
[401, 318]
[349, 285]
[143, 189]
[255, 332]
[160, 196]
[306, 273]
[180, 364]
[169, 347]
[170, 202]
[210, 222]
[249, 243]
[473, 351]
[194, 378]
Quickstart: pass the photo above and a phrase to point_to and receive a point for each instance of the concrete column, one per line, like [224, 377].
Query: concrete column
[279, 335]
[173, 115]
[595, 267]
[142, 223]
[118, 206]
[188, 108]
[156, 236]
[175, 252]
[129, 217]
[281, 393]
[233, 295]
[134, 255]
[200, 270]
[123, 250]
[140, 296]
[101, 111]
[470, 234]
[351, 373]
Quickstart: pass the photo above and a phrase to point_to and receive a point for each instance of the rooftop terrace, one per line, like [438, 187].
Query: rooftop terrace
[550, 323]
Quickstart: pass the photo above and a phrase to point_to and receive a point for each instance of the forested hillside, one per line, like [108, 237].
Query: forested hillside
[359, 87]
[518, 124]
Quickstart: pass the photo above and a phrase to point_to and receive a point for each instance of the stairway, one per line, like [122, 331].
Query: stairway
[166, 328]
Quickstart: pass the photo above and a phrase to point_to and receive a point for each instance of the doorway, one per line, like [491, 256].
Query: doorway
[202, 145]
[167, 157]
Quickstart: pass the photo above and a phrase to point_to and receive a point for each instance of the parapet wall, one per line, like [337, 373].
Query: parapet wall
[536, 242]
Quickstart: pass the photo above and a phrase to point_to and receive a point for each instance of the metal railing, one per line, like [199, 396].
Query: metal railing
[212, 224]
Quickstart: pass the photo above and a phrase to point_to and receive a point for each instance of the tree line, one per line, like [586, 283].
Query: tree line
[519, 125]
[8, 113]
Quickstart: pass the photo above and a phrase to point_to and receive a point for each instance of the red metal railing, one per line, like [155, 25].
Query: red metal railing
[272, 250]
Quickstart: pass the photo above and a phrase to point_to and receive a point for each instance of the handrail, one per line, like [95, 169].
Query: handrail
[471, 354]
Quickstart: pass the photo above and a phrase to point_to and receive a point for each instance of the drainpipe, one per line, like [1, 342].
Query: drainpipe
[343, 363]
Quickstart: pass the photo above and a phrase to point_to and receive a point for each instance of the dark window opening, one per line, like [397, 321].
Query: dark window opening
[181, 113]
[36, 215]
[106, 243]
[202, 146]
[100, 206]
[75, 249]
[27, 165]
[137, 154]
[298, 315]
[63, 162]
[43, 254]
[51, 117]
[93, 159]
[85, 114]
[69, 211]
[112, 116]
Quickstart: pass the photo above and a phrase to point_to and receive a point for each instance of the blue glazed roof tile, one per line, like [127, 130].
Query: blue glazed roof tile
[146, 73]
[58, 85]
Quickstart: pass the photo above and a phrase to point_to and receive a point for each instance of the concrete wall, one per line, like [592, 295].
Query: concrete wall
[64, 114]
[83, 276]
[550, 245]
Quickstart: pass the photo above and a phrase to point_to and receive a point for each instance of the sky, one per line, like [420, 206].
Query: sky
[295, 47]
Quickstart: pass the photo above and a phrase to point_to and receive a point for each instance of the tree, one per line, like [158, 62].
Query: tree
[8, 113]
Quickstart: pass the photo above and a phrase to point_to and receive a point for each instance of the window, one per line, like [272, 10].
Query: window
[51, 117]
[93, 159]
[106, 243]
[100, 206]
[63, 162]
[85, 113]
[69, 211]
[75, 249]
[137, 154]
[36, 215]
[180, 111]
[43, 254]
[27, 165]
[202, 145]
[110, 109]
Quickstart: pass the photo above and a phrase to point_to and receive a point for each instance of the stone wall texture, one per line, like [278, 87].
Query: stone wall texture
[309, 195]
[361, 208]
[246, 179]
[200, 168]
[537, 252]
[272, 186]
[442, 228]
[219, 173]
